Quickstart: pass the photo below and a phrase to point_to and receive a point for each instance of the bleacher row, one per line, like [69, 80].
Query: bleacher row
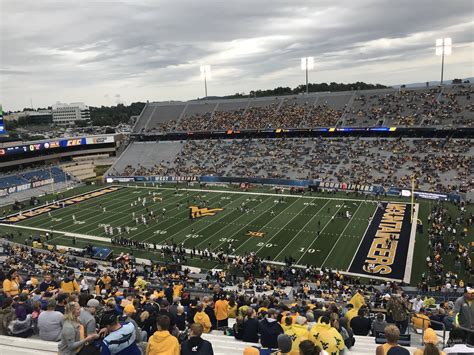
[450, 106]
[440, 164]
[222, 345]
[31, 176]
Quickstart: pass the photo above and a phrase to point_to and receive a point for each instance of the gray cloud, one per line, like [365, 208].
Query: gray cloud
[71, 51]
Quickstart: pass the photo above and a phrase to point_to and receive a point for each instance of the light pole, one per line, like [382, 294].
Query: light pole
[307, 63]
[443, 47]
[205, 74]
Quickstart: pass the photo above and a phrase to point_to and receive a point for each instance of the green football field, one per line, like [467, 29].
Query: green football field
[311, 229]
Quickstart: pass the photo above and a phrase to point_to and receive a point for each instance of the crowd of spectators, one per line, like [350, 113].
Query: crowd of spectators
[426, 107]
[442, 165]
[447, 106]
[287, 115]
[136, 308]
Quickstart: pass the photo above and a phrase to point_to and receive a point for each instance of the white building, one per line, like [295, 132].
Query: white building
[69, 113]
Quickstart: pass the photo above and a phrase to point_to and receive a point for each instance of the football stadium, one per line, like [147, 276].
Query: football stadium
[328, 218]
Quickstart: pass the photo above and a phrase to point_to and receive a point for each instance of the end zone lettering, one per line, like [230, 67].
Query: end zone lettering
[20, 216]
[384, 247]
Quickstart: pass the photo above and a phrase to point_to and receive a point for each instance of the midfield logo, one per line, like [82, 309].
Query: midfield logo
[196, 212]
[255, 234]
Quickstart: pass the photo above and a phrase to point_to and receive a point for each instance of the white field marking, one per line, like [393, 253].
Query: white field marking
[165, 227]
[260, 228]
[213, 234]
[140, 210]
[82, 212]
[291, 241]
[411, 247]
[181, 221]
[342, 233]
[315, 239]
[66, 234]
[268, 194]
[64, 199]
[85, 210]
[283, 227]
[362, 239]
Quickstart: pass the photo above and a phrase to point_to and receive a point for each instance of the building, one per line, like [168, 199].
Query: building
[66, 114]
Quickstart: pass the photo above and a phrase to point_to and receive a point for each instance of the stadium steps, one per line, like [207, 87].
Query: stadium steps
[28, 346]
[366, 346]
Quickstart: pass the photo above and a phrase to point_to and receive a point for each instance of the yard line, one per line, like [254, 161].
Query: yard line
[245, 226]
[271, 220]
[282, 228]
[66, 211]
[342, 233]
[362, 239]
[181, 221]
[265, 194]
[158, 210]
[82, 212]
[291, 241]
[212, 235]
[315, 239]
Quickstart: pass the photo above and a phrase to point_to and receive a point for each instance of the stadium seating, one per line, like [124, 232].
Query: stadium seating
[440, 165]
[30, 176]
[450, 106]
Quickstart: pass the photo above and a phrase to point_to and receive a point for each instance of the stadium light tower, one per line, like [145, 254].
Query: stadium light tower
[206, 75]
[443, 47]
[307, 63]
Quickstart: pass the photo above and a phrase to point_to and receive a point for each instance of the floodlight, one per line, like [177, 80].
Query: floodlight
[443, 47]
[206, 75]
[205, 72]
[307, 63]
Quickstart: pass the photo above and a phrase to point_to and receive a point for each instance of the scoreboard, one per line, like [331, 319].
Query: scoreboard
[2, 127]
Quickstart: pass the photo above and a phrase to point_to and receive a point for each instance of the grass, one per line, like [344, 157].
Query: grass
[307, 228]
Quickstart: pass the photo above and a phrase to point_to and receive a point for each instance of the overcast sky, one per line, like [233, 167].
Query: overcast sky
[105, 52]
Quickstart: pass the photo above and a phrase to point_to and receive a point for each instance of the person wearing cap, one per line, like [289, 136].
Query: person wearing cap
[162, 342]
[69, 283]
[50, 323]
[120, 339]
[196, 345]
[298, 332]
[128, 313]
[430, 339]
[269, 330]
[284, 344]
[202, 318]
[464, 313]
[87, 316]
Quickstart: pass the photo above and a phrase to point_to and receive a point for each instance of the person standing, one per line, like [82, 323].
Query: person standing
[162, 342]
[221, 309]
[397, 308]
[464, 313]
